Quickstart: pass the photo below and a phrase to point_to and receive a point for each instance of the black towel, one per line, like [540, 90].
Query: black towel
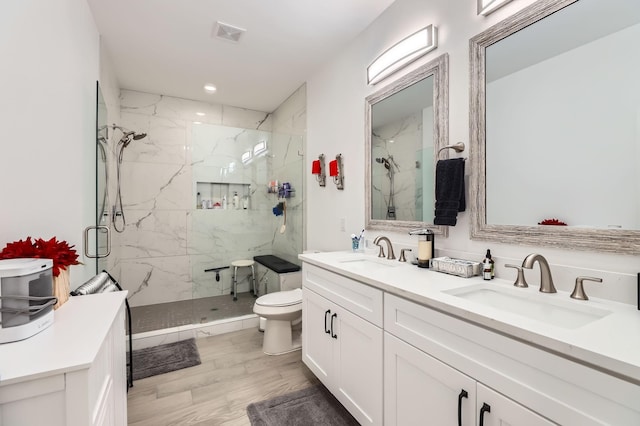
[449, 191]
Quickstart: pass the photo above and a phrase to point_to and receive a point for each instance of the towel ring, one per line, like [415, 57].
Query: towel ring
[457, 147]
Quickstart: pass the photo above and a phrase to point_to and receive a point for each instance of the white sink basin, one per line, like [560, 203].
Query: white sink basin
[362, 261]
[529, 303]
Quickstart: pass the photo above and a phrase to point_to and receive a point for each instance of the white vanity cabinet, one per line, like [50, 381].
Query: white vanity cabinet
[419, 388]
[342, 340]
[71, 374]
[494, 409]
[430, 357]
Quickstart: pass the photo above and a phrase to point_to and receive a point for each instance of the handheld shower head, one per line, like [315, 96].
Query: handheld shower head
[384, 161]
[126, 139]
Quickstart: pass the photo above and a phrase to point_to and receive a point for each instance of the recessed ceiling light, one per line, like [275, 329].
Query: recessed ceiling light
[197, 122]
[200, 114]
[210, 88]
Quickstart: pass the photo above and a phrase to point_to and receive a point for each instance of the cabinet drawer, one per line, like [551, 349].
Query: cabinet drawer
[31, 388]
[362, 300]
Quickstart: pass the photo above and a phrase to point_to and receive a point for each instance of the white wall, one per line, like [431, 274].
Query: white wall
[336, 95]
[48, 76]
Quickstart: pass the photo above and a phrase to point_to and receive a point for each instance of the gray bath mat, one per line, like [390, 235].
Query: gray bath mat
[161, 359]
[306, 407]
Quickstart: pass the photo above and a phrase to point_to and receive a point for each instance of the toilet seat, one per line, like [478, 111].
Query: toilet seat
[281, 298]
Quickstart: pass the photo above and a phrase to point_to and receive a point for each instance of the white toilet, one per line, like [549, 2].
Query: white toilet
[282, 310]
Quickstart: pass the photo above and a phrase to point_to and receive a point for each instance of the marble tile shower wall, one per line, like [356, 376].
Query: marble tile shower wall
[289, 124]
[167, 242]
[219, 236]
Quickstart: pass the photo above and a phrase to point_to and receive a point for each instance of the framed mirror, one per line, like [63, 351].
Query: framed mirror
[555, 127]
[406, 123]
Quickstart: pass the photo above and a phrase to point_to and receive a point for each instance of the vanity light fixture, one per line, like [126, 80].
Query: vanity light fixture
[486, 7]
[318, 169]
[403, 53]
[336, 171]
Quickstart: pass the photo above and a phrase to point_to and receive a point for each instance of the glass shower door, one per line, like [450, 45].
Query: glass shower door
[101, 230]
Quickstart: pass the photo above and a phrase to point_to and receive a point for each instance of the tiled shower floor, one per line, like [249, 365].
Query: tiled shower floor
[184, 312]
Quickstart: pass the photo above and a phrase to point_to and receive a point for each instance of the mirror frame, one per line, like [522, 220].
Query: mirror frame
[439, 69]
[591, 239]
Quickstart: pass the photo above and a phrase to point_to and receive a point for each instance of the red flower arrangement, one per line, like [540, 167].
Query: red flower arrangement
[552, 222]
[62, 254]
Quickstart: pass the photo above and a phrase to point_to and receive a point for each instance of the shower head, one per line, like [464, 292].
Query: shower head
[128, 133]
[129, 136]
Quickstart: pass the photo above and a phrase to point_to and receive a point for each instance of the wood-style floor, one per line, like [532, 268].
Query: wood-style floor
[234, 373]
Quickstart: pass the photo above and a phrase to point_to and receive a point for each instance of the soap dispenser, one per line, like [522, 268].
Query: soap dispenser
[426, 247]
[488, 260]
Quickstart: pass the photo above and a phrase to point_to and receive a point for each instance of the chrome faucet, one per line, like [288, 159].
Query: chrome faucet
[379, 238]
[546, 282]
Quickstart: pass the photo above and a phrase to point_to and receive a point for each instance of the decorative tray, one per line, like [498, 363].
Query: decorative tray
[459, 267]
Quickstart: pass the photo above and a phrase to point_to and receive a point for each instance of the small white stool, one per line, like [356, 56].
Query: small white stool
[243, 263]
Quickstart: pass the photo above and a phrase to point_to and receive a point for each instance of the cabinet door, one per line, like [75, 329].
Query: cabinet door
[495, 409]
[358, 376]
[419, 389]
[317, 344]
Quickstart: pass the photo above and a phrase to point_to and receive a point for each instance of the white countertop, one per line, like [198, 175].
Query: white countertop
[610, 344]
[71, 343]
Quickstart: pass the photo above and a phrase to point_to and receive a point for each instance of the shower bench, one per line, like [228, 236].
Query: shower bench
[273, 272]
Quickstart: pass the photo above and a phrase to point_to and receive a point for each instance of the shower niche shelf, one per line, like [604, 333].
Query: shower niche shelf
[212, 195]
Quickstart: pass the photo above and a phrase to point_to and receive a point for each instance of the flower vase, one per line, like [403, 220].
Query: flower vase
[61, 287]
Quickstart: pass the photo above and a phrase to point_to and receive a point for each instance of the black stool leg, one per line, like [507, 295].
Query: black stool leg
[234, 291]
[253, 279]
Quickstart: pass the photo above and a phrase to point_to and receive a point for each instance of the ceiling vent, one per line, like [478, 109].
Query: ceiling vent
[227, 32]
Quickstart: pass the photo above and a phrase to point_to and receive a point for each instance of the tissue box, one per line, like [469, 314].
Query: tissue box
[459, 267]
